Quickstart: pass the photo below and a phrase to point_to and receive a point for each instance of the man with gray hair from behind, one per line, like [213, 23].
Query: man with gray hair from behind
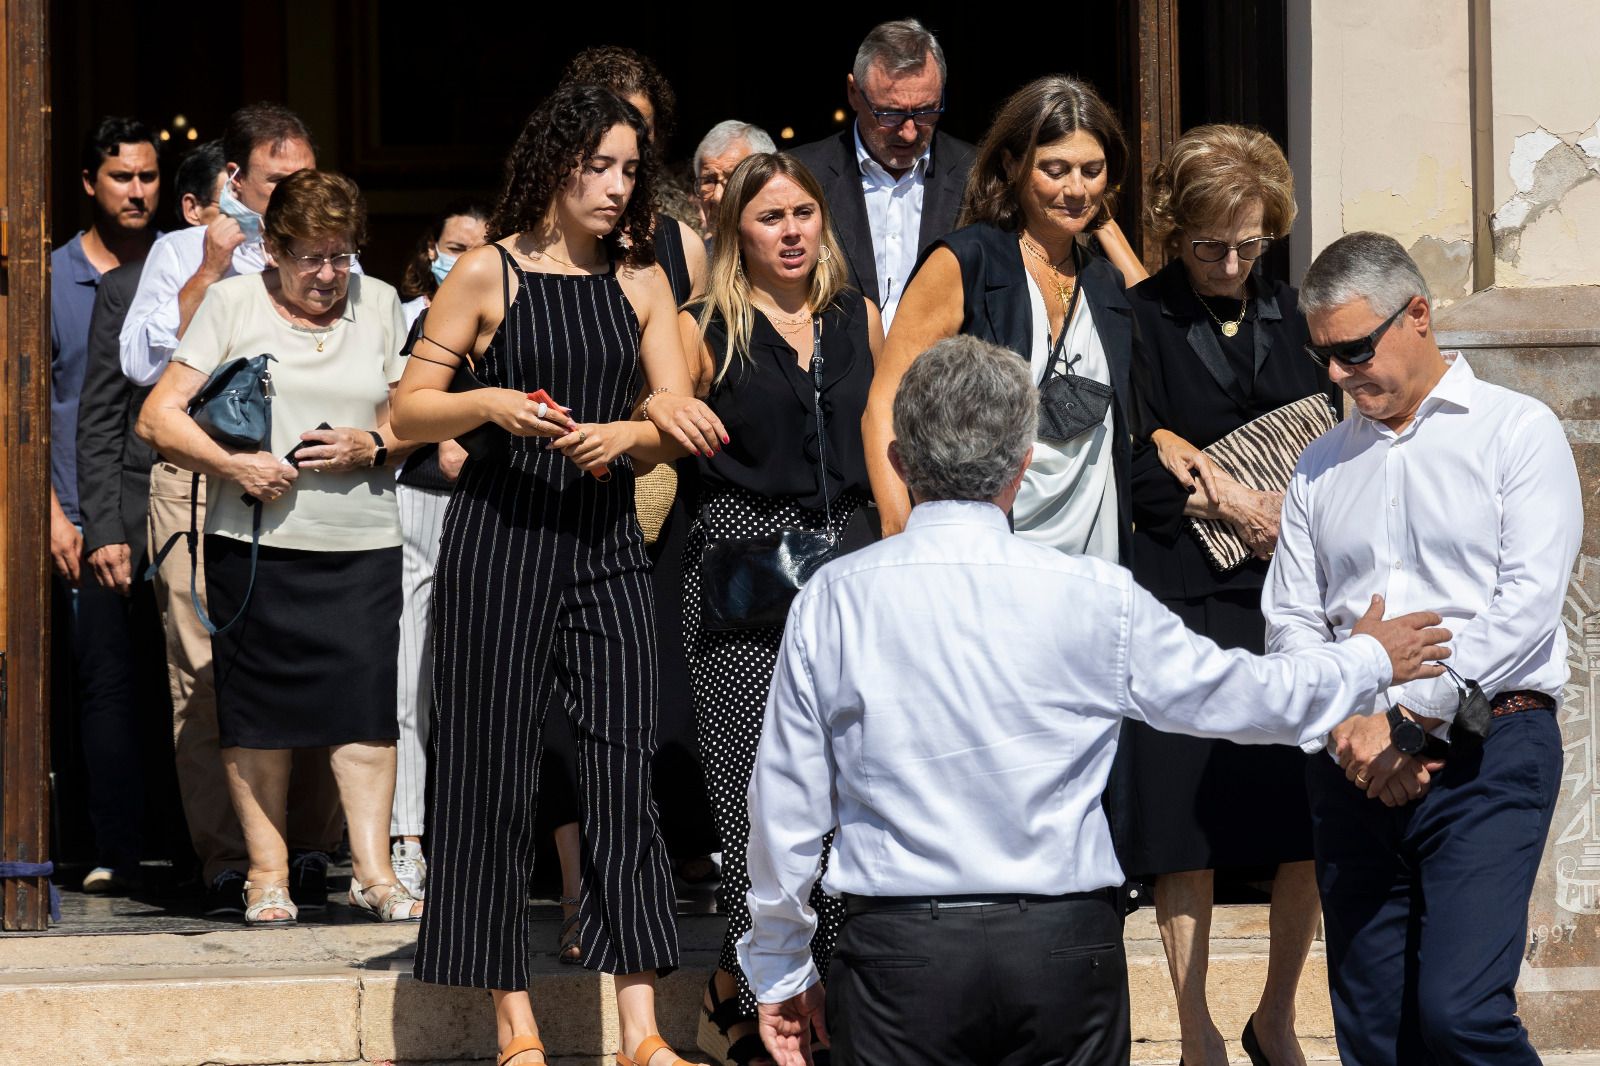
[1430, 810]
[719, 151]
[950, 699]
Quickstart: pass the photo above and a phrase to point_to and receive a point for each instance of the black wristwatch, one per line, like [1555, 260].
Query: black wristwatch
[380, 456]
[1406, 734]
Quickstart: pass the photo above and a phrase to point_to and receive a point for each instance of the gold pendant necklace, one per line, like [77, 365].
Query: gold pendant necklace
[1230, 328]
[1063, 289]
[778, 319]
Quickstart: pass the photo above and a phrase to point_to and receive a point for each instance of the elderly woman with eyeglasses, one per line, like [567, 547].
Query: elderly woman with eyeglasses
[310, 663]
[1221, 345]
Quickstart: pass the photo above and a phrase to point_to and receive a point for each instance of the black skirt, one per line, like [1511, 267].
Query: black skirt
[313, 661]
[1184, 803]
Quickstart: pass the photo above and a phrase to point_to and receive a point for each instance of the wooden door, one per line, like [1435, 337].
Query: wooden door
[25, 462]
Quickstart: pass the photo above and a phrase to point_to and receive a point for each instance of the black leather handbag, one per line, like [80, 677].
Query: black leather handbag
[234, 407]
[749, 582]
[1070, 405]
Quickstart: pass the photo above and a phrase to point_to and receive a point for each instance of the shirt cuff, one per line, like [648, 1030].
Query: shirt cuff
[776, 978]
[1433, 697]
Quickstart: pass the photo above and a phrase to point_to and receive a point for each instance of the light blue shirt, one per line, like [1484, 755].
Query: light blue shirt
[950, 699]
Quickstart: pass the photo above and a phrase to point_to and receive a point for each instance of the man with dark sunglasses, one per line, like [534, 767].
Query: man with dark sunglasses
[1430, 812]
[893, 179]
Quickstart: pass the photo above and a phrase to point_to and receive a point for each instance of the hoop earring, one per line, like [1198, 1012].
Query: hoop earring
[825, 255]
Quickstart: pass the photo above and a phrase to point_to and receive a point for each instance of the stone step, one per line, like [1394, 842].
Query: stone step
[343, 994]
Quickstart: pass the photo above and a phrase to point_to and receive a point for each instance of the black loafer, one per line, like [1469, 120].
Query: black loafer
[224, 896]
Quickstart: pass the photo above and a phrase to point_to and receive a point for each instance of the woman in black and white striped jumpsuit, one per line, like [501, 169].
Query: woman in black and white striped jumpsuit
[542, 596]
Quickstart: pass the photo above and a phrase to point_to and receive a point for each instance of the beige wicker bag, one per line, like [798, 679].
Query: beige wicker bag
[652, 495]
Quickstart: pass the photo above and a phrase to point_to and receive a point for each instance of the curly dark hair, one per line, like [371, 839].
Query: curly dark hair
[628, 73]
[563, 131]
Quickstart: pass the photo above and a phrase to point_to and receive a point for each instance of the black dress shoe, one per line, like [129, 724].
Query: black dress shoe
[308, 880]
[1251, 1045]
[224, 896]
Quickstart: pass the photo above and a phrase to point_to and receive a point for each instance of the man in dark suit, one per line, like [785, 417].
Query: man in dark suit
[892, 179]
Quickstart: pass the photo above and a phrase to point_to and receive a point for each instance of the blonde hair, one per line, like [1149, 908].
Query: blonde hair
[727, 287]
[1210, 174]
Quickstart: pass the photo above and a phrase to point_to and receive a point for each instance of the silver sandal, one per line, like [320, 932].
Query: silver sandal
[274, 897]
[387, 909]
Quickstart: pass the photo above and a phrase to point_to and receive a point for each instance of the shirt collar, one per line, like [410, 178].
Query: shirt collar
[874, 169]
[980, 513]
[1454, 388]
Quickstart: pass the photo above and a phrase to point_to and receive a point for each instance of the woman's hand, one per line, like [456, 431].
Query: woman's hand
[452, 457]
[513, 412]
[1253, 516]
[1188, 464]
[689, 422]
[593, 446]
[333, 451]
[261, 474]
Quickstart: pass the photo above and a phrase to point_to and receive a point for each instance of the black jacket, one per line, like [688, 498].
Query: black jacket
[113, 463]
[833, 161]
[997, 307]
[1184, 382]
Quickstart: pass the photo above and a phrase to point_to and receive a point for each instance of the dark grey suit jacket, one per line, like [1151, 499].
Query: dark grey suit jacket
[113, 464]
[833, 161]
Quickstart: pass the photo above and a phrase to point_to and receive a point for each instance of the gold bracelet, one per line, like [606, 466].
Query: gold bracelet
[644, 408]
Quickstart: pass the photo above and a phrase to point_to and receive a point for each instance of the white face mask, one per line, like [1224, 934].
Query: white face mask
[234, 208]
[441, 265]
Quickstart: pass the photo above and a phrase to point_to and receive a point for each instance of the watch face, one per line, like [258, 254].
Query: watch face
[1408, 737]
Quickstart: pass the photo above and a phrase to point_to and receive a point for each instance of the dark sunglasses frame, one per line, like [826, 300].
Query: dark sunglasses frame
[1358, 351]
[936, 112]
[1261, 245]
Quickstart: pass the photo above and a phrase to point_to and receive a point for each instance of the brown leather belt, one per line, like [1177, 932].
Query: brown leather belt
[1520, 700]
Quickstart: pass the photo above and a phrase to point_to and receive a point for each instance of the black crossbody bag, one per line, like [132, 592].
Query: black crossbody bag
[233, 407]
[1070, 405]
[749, 582]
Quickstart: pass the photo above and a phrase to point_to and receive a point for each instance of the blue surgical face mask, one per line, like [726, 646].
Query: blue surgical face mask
[234, 208]
[441, 265]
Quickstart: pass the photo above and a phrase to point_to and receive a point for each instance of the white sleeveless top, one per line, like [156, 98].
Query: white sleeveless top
[1068, 499]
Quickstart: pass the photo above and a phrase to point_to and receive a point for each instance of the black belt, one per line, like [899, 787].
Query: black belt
[854, 904]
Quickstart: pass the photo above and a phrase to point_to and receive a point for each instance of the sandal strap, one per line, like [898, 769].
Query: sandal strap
[399, 896]
[519, 1045]
[274, 897]
[747, 1049]
[724, 1012]
[648, 1048]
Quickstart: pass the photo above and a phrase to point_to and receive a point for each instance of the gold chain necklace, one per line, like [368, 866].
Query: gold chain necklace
[778, 319]
[1229, 329]
[1062, 286]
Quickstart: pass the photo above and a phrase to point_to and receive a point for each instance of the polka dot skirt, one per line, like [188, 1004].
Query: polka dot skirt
[730, 673]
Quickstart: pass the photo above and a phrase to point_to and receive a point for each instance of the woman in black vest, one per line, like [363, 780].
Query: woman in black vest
[777, 314]
[1221, 345]
[1019, 273]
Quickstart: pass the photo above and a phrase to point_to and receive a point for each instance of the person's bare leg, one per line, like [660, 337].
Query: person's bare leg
[1183, 913]
[513, 1017]
[1296, 910]
[365, 773]
[636, 1013]
[569, 843]
[728, 988]
[258, 782]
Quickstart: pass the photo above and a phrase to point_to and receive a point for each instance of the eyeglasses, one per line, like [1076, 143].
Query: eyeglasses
[710, 183]
[313, 264]
[893, 120]
[1216, 251]
[1358, 351]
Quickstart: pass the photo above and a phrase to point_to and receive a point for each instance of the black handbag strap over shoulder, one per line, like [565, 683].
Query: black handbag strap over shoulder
[822, 430]
[1058, 349]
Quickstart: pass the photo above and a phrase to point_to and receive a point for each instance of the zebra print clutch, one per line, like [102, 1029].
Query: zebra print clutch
[1261, 454]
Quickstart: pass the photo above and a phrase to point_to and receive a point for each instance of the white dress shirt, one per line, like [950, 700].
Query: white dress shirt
[1068, 499]
[1473, 511]
[894, 214]
[950, 699]
[150, 332]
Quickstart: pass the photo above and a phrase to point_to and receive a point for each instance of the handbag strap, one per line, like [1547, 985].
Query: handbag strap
[822, 434]
[1058, 349]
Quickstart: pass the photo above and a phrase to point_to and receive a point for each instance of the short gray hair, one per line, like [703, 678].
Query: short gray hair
[725, 135]
[1362, 266]
[901, 46]
[965, 416]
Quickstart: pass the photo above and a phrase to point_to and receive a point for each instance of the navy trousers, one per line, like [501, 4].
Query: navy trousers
[1426, 906]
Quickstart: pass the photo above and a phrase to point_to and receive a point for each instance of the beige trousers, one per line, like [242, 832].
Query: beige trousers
[316, 821]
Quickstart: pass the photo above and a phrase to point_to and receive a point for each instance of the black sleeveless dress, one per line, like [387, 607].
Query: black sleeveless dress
[543, 605]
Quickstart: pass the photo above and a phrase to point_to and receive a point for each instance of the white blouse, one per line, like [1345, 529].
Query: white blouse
[1068, 499]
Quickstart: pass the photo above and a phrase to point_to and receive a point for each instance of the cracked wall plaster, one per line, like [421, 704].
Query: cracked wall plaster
[1538, 230]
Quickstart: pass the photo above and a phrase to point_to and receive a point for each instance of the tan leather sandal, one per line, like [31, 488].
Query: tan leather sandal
[521, 1045]
[648, 1047]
